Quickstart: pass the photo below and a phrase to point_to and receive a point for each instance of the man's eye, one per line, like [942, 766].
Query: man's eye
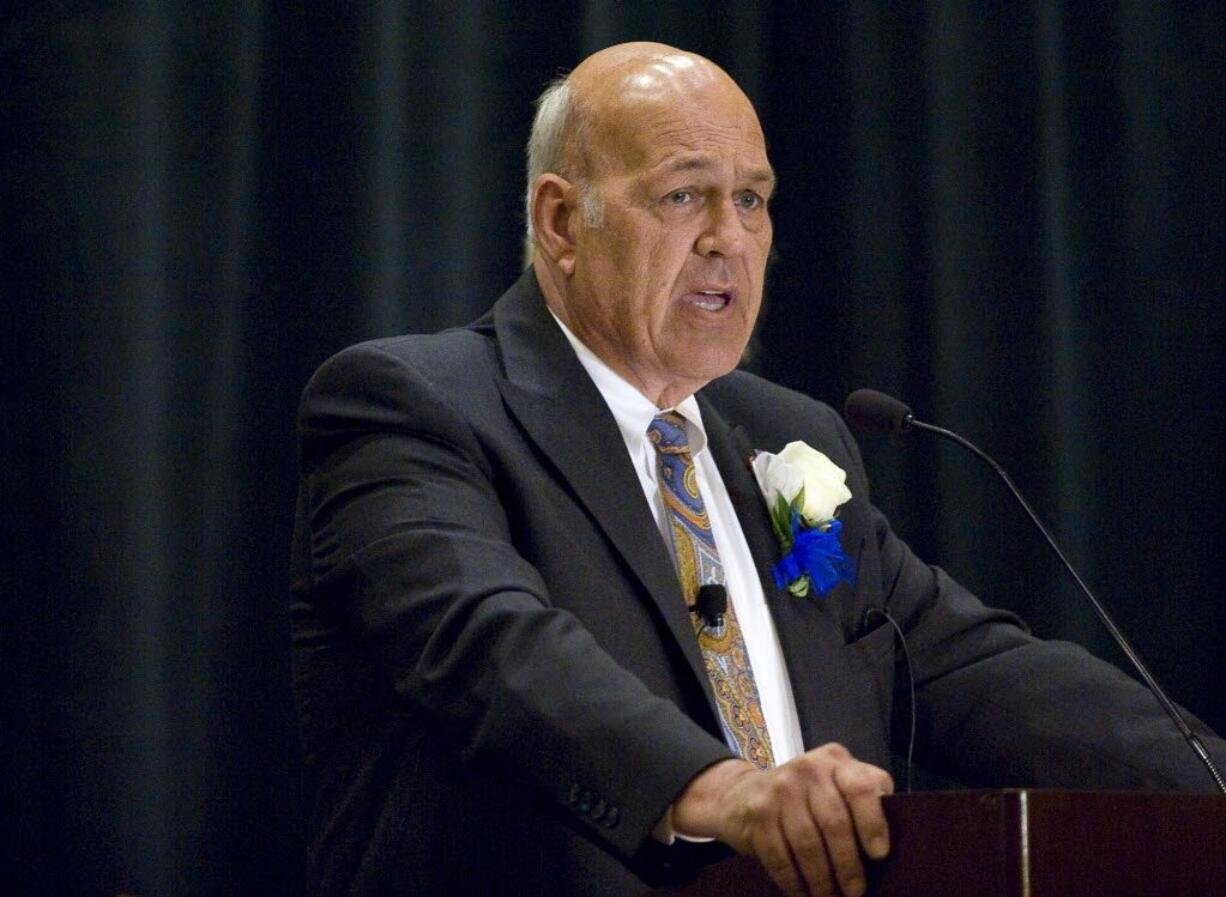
[749, 200]
[680, 197]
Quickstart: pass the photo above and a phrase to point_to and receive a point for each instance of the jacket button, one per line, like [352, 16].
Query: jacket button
[597, 810]
[573, 797]
[585, 802]
[611, 818]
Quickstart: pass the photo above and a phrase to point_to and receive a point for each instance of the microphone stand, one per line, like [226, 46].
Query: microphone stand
[1172, 711]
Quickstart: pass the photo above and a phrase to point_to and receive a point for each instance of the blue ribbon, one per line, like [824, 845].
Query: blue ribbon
[816, 553]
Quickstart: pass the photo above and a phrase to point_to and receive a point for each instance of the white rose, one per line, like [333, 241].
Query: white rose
[800, 465]
[777, 477]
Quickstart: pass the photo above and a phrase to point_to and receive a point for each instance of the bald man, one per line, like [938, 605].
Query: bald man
[501, 687]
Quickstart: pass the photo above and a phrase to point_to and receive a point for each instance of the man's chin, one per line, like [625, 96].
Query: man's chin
[701, 368]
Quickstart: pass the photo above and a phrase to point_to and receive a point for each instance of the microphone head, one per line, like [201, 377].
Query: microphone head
[711, 602]
[876, 414]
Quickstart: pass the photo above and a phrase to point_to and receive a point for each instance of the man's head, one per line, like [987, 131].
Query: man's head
[647, 207]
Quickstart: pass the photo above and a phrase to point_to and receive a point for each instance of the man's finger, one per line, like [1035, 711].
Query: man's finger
[862, 787]
[771, 849]
[808, 847]
[833, 817]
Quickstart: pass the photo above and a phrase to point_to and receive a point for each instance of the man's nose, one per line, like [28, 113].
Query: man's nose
[724, 233]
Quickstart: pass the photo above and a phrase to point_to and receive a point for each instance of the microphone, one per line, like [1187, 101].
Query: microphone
[874, 413]
[711, 605]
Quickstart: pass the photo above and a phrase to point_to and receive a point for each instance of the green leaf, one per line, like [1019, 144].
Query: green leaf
[781, 523]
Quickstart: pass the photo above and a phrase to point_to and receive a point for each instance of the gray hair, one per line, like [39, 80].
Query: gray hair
[557, 144]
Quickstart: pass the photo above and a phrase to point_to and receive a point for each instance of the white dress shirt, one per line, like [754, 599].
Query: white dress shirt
[634, 412]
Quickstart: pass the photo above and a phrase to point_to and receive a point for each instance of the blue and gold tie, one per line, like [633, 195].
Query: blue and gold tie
[698, 564]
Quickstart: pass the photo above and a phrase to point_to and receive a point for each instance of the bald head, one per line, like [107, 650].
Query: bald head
[625, 87]
[582, 118]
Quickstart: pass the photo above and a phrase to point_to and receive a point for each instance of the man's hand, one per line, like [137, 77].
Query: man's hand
[805, 821]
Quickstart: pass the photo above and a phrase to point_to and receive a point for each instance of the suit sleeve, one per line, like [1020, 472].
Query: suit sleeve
[998, 707]
[410, 545]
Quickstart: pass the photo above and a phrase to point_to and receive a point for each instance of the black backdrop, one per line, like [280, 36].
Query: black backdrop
[1008, 213]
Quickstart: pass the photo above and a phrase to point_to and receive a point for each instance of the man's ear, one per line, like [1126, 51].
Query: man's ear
[555, 211]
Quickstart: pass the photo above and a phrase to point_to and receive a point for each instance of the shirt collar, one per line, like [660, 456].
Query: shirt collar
[632, 410]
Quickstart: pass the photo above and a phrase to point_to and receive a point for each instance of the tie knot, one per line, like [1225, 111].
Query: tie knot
[667, 432]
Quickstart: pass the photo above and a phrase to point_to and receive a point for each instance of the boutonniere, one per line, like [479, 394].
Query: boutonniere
[803, 489]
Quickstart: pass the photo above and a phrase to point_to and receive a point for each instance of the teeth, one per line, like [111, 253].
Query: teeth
[710, 300]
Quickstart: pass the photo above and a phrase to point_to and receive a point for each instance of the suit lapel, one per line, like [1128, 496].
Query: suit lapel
[731, 449]
[810, 633]
[548, 391]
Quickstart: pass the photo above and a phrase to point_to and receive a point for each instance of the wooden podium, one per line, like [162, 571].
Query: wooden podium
[1028, 844]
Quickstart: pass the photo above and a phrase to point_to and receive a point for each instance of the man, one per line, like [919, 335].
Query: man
[500, 684]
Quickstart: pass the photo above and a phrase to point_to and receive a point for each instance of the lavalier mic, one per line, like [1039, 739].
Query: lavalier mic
[710, 605]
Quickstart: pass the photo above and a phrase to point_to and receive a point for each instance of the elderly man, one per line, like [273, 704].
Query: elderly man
[503, 532]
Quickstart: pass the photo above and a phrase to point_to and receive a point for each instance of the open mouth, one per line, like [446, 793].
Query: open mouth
[710, 300]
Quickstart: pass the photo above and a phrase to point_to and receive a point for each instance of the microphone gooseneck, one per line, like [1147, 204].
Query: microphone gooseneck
[874, 413]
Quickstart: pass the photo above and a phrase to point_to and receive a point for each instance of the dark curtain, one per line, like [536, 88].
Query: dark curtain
[1009, 214]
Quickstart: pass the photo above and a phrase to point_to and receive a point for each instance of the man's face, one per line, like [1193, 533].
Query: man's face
[667, 288]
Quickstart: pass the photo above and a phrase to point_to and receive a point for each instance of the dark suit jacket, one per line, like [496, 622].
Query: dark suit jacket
[498, 686]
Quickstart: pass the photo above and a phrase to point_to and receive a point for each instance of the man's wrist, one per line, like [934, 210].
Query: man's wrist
[695, 814]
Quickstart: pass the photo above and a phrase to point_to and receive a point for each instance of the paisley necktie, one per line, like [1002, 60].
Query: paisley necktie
[698, 564]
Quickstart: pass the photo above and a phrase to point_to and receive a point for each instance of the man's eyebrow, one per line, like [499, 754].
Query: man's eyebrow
[764, 175]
